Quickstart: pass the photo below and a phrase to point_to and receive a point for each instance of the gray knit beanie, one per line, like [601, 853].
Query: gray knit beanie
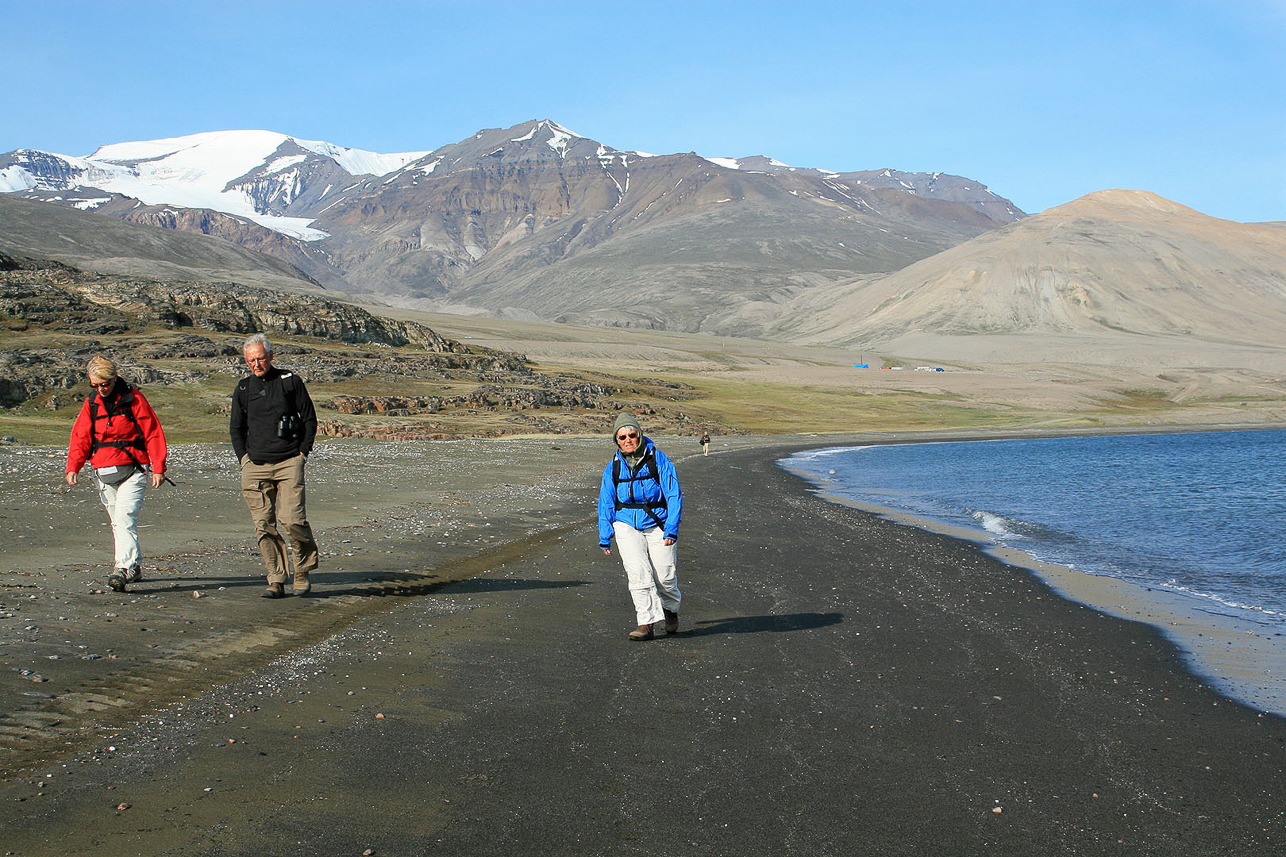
[626, 420]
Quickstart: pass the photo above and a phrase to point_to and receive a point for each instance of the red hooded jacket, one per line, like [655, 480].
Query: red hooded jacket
[111, 424]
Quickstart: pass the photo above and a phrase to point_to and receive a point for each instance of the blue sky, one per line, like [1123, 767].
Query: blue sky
[1042, 102]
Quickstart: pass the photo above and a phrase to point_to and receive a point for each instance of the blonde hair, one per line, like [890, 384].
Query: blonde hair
[101, 367]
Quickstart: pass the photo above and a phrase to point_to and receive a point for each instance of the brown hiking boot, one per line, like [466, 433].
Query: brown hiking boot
[642, 632]
[671, 621]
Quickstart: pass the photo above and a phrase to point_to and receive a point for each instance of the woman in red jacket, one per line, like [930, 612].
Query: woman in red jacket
[118, 433]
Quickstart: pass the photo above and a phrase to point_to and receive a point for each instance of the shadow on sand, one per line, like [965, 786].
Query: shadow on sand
[762, 624]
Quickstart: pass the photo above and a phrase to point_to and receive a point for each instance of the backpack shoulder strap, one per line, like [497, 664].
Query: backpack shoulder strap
[128, 401]
[124, 405]
[93, 412]
[648, 508]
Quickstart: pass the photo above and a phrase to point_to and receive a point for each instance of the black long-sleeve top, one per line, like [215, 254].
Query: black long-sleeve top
[258, 405]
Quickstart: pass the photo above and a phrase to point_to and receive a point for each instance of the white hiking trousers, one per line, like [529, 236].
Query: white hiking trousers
[123, 503]
[650, 568]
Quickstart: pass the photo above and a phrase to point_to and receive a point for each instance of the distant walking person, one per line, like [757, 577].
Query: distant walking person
[639, 503]
[705, 443]
[118, 433]
[273, 427]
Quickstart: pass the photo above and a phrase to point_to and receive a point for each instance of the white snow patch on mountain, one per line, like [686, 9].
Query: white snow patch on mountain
[15, 178]
[234, 153]
[295, 227]
[559, 139]
[197, 171]
[281, 163]
[359, 161]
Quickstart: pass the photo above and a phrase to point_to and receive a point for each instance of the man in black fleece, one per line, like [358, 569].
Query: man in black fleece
[273, 427]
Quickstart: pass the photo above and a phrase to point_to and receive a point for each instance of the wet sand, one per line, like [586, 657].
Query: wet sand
[841, 684]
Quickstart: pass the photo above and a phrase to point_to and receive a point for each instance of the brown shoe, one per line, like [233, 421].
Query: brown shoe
[671, 621]
[274, 590]
[304, 589]
[642, 632]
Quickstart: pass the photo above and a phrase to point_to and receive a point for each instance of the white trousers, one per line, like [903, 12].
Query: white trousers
[123, 503]
[650, 567]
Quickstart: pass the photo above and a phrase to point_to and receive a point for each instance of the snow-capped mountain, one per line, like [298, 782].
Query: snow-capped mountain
[283, 182]
[262, 176]
[531, 221]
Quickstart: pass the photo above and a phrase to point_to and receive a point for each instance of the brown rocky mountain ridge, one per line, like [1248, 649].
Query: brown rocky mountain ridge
[508, 224]
[535, 222]
[94, 242]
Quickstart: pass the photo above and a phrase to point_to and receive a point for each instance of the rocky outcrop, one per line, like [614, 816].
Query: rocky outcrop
[550, 394]
[543, 392]
[38, 295]
[24, 304]
[389, 405]
[29, 373]
[188, 336]
[57, 295]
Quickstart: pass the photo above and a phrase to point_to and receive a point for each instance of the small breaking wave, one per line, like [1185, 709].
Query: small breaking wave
[997, 525]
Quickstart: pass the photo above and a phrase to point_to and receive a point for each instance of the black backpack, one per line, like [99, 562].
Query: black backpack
[124, 405]
[648, 507]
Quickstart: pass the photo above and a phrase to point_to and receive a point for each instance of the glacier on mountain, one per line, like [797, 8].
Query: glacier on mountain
[202, 171]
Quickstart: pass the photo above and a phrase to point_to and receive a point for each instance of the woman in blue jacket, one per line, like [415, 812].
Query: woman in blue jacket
[639, 503]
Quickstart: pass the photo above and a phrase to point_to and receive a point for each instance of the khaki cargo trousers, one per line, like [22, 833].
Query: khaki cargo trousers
[274, 494]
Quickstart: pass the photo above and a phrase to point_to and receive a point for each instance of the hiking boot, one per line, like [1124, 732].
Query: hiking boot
[301, 585]
[274, 590]
[116, 580]
[135, 573]
[671, 621]
[642, 632]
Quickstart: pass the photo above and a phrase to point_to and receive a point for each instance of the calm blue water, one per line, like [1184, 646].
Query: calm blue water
[1203, 514]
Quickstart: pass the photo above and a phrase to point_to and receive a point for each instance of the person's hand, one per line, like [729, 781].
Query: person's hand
[669, 542]
[72, 477]
[157, 479]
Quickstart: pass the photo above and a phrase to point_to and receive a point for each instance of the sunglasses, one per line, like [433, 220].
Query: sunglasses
[627, 435]
[104, 385]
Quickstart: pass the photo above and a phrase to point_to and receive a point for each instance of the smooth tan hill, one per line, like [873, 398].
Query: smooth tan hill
[1117, 277]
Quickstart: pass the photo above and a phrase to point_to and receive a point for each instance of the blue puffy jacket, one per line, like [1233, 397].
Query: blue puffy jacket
[644, 497]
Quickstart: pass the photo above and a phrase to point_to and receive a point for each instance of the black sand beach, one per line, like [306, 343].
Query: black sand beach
[841, 685]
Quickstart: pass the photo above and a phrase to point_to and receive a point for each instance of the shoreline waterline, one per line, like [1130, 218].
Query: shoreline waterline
[1243, 659]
